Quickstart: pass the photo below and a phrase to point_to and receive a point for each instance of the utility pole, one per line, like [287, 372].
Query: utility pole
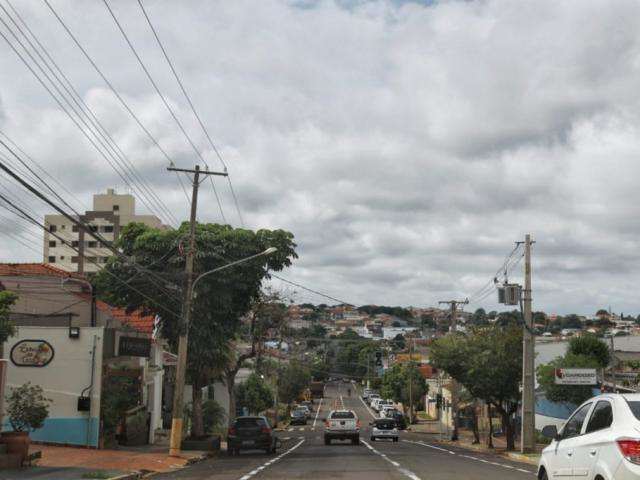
[410, 376]
[528, 438]
[177, 421]
[454, 385]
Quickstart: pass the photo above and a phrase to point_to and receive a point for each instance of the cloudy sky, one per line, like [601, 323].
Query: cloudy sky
[407, 145]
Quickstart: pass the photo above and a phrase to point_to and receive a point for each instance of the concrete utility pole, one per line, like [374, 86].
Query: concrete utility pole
[410, 381]
[175, 441]
[528, 436]
[454, 385]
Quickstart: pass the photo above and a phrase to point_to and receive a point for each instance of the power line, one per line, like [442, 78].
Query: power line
[111, 146]
[162, 97]
[311, 290]
[193, 108]
[115, 92]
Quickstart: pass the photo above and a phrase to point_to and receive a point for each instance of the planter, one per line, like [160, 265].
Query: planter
[209, 443]
[16, 442]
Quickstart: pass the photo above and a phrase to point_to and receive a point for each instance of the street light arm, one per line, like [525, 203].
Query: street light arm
[268, 251]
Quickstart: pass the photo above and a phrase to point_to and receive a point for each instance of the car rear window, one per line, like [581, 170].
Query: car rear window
[250, 422]
[385, 424]
[338, 415]
[635, 408]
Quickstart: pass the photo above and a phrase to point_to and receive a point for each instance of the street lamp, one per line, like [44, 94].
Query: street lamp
[178, 395]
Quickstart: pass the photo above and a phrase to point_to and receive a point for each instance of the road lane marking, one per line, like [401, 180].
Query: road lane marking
[367, 407]
[317, 413]
[404, 471]
[482, 460]
[257, 470]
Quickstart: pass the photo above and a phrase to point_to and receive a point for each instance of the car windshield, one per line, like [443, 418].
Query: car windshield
[339, 415]
[298, 413]
[385, 424]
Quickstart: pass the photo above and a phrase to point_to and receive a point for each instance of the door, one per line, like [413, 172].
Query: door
[596, 434]
[561, 463]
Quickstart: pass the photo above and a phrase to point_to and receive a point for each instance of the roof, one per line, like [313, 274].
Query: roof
[36, 270]
[135, 319]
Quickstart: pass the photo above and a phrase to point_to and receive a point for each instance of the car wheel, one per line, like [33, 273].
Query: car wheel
[355, 441]
[395, 439]
[327, 441]
[230, 451]
[544, 475]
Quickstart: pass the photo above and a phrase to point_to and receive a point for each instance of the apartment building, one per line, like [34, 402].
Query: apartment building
[111, 212]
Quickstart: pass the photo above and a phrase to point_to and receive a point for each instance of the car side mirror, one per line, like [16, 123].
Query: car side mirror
[371, 423]
[550, 431]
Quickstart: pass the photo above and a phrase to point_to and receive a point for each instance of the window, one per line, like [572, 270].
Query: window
[573, 427]
[91, 259]
[635, 408]
[62, 227]
[52, 259]
[104, 259]
[75, 259]
[251, 422]
[92, 244]
[107, 228]
[61, 257]
[52, 228]
[93, 228]
[75, 228]
[116, 208]
[601, 418]
[342, 415]
[75, 243]
[52, 243]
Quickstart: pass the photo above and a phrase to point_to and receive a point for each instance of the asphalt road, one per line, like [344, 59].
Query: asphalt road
[304, 455]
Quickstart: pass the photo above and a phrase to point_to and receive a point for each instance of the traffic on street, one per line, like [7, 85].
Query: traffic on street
[304, 454]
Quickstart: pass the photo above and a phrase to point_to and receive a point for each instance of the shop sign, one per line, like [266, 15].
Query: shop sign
[31, 353]
[134, 347]
[576, 376]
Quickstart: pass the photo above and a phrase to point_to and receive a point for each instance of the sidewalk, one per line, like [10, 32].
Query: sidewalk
[81, 463]
[466, 441]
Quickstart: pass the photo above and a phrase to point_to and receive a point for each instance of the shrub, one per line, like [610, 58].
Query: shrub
[27, 408]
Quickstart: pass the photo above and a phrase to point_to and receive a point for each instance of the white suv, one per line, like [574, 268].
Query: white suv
[600, 440]
[342, 425]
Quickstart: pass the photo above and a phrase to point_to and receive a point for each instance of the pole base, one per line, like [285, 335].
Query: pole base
[175, 441]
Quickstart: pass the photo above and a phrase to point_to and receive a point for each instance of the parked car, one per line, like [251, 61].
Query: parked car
[305, 409]
[251, 433]
[365, 393]
[388, 411]
[372, 396]
[308, 404]
[298, 417]
[374, 404]
[342, 425]
[382, 404]
[601, 439]
[384, 428]
[401, 421]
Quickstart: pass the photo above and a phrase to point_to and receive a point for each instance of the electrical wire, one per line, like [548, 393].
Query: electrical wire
[162, 97]
[193, 108]
[116, 93]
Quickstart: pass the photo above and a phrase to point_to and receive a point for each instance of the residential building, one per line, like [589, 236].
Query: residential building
[111, 212]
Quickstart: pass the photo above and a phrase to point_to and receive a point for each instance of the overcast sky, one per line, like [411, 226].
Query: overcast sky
[407, 145]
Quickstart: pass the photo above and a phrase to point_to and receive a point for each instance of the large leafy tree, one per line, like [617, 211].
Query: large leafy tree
[220, 300]
[396, 381]
[255, 394]
[488, 363]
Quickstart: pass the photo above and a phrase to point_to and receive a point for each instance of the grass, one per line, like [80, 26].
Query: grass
[101, 474]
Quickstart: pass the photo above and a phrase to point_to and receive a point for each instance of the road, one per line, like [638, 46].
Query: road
[304, 455]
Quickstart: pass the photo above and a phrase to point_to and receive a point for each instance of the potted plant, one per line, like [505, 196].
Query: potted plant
[27, 408]
[213, 416]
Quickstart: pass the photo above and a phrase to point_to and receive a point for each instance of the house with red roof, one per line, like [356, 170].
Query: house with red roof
[72, 345]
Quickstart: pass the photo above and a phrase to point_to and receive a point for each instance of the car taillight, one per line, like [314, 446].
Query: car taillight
[266, 430]
[630, 449]
[232, 431]
[326, 423]
[358, 424]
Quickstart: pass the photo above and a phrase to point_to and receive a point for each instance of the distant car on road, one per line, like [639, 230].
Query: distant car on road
[251, 433]
[384, 428]
[365, 393]
[372, 396]
[600, 440]
[308, 404]
[342, 425]
[305, 409]
[298, 417]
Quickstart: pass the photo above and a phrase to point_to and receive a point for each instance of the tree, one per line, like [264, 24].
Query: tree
[479, 317]
[395, 385]
[590, 346]
[427, 321]
[292, 381]
[399, 342]
[254, 394]
[7, 328]
[219, 303]
[488, 363]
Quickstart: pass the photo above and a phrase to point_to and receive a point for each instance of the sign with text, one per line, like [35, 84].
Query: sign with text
[576, 376]
[134, 347]
[31, 353]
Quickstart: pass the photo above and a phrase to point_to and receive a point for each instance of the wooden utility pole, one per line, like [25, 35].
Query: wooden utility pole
[528, 436]
[177, 422]
[454, 385]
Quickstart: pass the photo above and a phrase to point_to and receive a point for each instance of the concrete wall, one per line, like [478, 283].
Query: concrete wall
[63, 380]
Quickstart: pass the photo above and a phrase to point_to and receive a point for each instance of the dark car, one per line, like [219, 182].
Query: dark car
[308, 404]
[251, 433]
[298, 417]
[401, 421]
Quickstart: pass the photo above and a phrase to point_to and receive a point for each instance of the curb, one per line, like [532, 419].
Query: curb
[146, 474]
[127, 476]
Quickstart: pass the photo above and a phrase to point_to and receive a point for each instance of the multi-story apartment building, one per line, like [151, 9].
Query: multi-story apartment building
[111, 212]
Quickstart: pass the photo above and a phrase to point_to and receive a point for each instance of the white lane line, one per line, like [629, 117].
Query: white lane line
[404, 471]
[482, 460]
[270, 462]
[317, 413]
[367, 407]
[290, 429]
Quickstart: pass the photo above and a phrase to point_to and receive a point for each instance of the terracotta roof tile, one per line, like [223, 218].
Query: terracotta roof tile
[35, 269]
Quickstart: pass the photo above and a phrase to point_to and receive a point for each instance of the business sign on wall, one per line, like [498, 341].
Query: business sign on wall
[576, 376]
[31, 353]
[134, 347]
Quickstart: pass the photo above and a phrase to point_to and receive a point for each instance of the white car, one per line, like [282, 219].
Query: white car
[342, 425]
[601, 440]
[374, 403]
[384, 428]
[387, 411]
[371, 398]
